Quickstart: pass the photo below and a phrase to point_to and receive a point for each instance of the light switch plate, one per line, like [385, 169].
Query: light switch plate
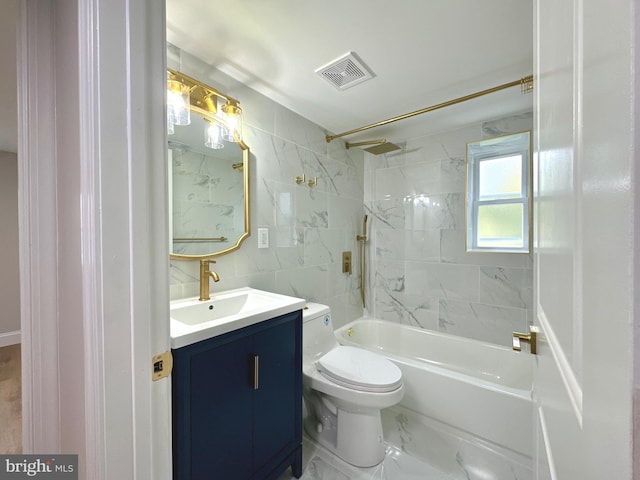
[263, 238]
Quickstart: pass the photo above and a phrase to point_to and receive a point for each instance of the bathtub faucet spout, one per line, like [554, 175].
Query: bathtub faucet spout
[530, 338]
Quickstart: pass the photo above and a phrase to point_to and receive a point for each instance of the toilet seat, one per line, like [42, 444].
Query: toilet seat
[360, 370]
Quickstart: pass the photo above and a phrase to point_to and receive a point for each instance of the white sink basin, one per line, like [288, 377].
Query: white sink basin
[193, 320]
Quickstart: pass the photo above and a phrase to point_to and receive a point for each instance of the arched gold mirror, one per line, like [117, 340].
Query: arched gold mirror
[208, 189]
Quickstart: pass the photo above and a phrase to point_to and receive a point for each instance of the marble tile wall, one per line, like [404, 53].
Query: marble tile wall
[202, 186]
[420, 273]
[309, 227]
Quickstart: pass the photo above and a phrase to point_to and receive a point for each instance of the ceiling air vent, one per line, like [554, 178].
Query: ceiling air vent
[345, 72]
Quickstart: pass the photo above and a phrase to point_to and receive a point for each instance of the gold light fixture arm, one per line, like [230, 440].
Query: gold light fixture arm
[201, 98]
[525, 83]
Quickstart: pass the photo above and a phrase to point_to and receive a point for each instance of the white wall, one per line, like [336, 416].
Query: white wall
[306, 243]
[420, 273]
[10, 275]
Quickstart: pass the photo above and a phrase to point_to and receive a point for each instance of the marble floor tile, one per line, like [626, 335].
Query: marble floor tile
[320, 464]
[419, 449]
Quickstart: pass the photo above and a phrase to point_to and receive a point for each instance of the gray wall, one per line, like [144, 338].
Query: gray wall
[10, 277]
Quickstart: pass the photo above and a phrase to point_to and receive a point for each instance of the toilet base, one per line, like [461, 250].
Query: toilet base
[354, 436]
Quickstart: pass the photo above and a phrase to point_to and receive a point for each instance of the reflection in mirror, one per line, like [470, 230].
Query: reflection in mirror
[208, 192]
[499, 194]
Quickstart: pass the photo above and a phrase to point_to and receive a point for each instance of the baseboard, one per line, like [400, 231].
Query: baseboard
[9, 338]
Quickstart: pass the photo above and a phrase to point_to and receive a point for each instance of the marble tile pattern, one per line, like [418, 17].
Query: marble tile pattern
[202, 186]
[419, 448]
[420, 272]
[309, 227]
[417, 269]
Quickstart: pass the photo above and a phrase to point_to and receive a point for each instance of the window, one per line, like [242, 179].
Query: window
[498, 198]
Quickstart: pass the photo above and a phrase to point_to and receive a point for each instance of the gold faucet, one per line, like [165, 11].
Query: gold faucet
[530, 338]
[205, 273]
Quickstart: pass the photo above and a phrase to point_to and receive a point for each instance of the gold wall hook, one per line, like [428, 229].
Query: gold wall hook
[313, 182]
[531, 338]
[301, 179]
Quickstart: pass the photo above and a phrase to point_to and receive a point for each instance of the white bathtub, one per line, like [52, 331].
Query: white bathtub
[477, 387]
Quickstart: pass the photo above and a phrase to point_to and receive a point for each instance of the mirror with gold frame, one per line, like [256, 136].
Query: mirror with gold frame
[208, 192]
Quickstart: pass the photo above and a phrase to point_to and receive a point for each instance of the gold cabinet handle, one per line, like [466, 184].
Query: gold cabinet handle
[256, 372]
[530, 338]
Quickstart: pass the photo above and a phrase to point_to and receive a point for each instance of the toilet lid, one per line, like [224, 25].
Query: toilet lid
[360, 369]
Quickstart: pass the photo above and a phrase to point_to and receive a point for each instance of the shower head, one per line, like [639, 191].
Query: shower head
[385, 147]
[379, 146]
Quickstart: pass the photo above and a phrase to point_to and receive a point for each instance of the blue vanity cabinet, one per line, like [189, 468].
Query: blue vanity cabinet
[237, 403]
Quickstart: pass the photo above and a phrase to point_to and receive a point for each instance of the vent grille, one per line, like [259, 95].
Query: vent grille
[345, 71]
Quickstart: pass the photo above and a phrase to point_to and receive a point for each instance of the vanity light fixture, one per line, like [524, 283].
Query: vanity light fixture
[225, 124]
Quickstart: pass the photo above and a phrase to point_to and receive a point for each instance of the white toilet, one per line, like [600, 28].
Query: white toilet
[344, 389]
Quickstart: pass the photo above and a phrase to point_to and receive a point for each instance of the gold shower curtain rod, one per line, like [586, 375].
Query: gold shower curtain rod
[526, 86]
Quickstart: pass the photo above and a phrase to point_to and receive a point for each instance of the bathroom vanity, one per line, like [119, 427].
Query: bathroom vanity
[237, 402]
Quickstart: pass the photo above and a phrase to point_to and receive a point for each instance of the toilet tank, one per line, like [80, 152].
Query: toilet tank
[317, 330]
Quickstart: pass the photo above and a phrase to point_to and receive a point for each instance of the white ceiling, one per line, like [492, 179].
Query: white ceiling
[8, 92]
[422, 52]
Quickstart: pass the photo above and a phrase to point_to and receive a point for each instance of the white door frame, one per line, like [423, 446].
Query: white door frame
[93, 244]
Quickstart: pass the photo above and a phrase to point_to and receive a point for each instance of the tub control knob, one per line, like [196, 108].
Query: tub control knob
[530, 338]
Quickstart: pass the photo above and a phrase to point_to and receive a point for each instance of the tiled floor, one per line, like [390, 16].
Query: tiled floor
[436, 453]
[417, 448]
[322, 465]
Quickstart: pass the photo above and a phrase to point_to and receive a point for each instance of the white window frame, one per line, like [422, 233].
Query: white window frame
[492, 149]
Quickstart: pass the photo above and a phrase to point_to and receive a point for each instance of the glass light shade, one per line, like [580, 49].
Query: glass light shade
[178, 103]
[213, 132]
[170, 128]
[232, 115]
